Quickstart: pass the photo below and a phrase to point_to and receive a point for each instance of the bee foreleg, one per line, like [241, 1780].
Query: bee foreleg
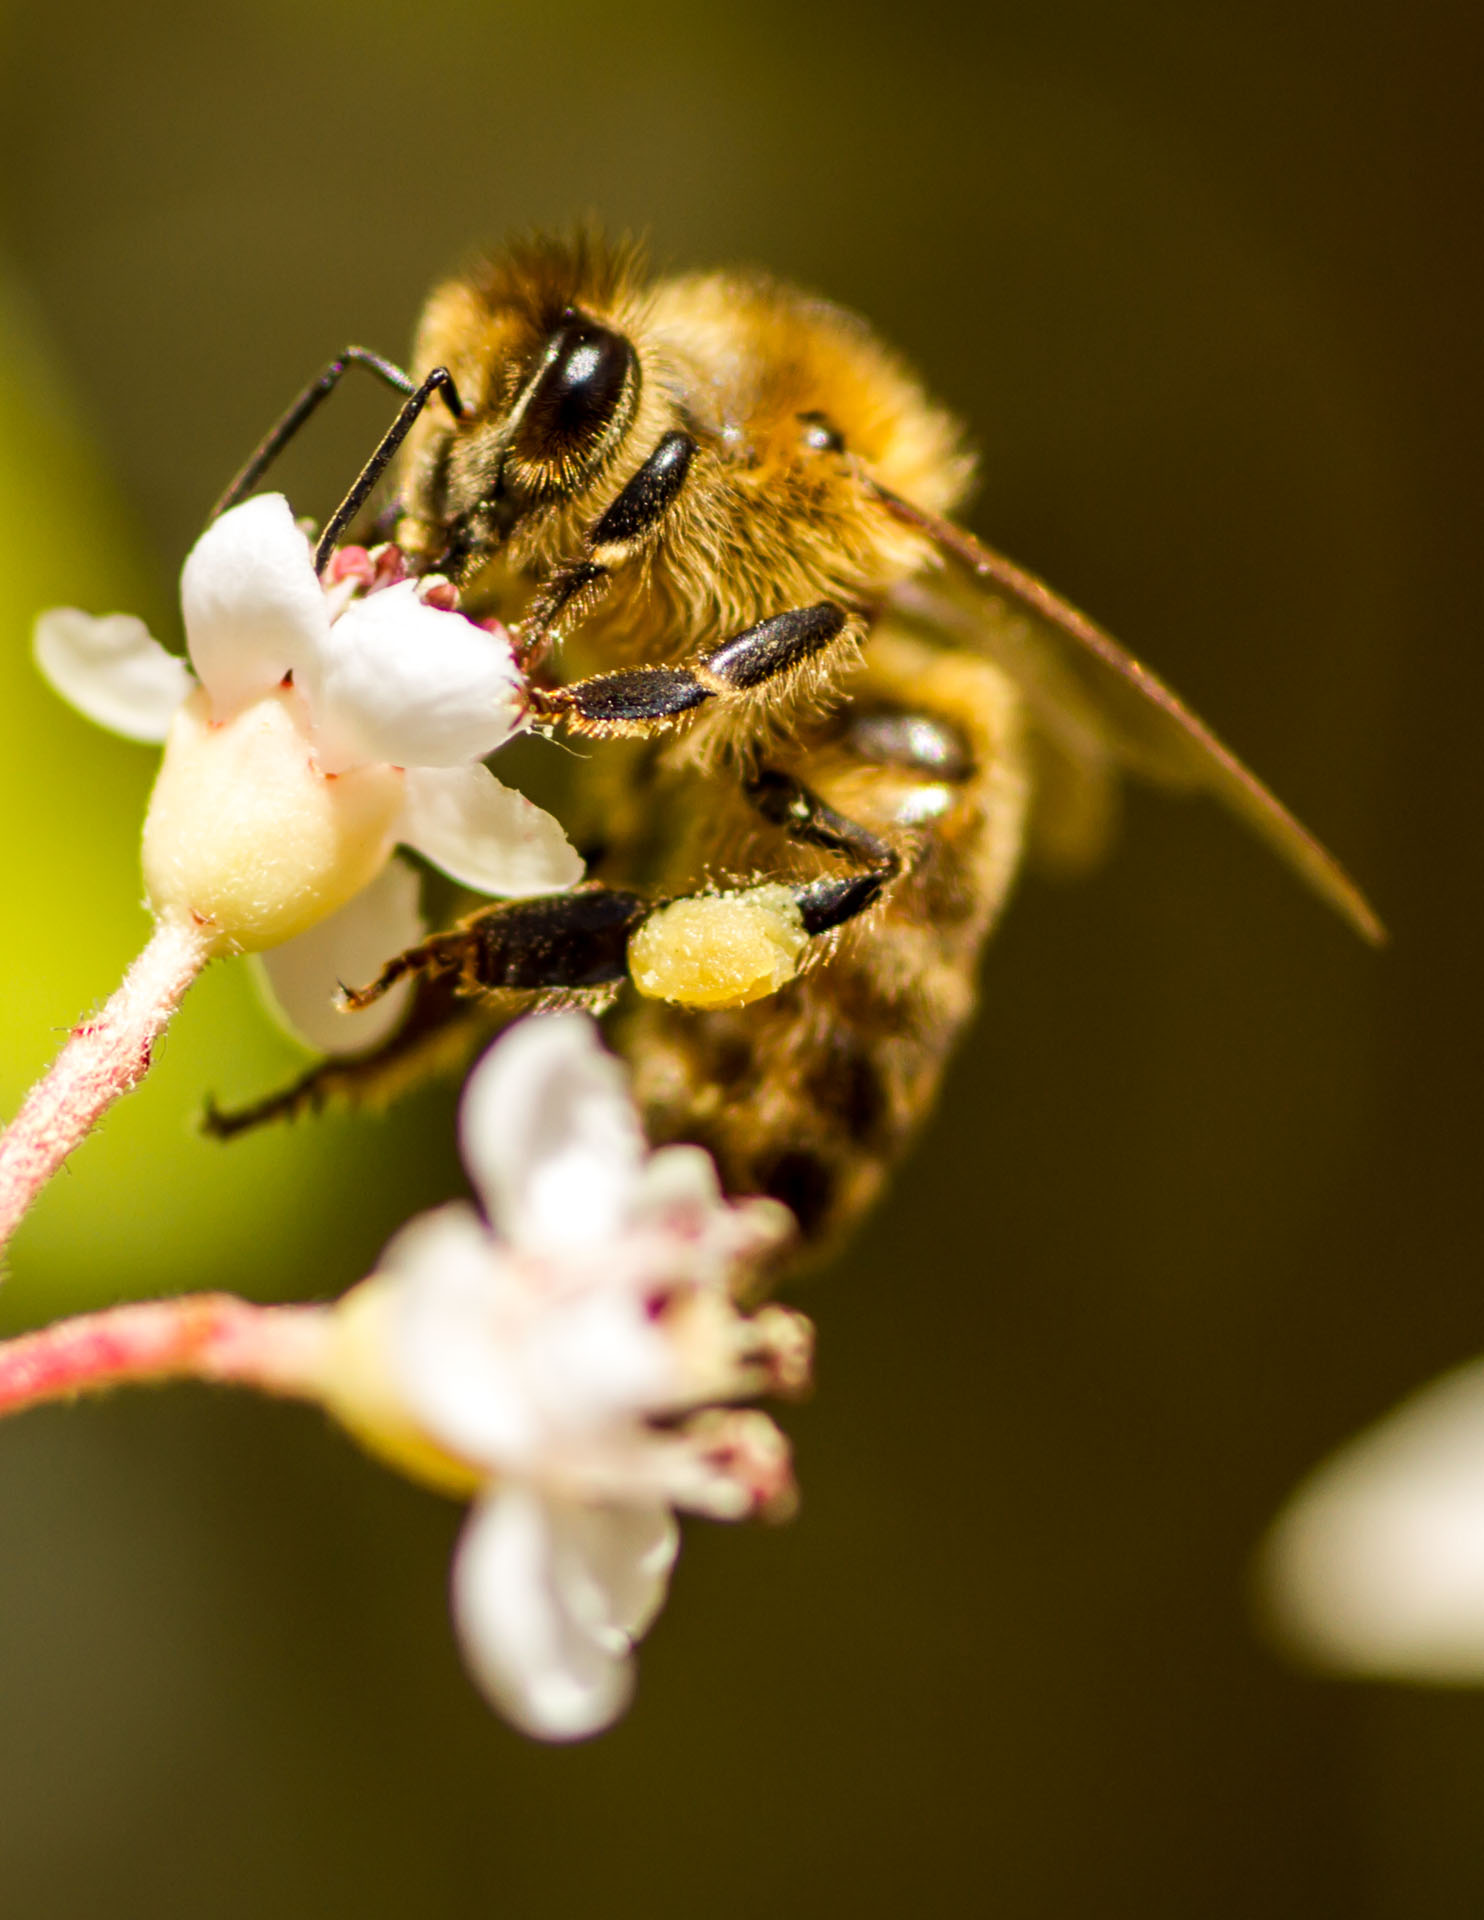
[642, 502]
[644, 700]
[630, 519]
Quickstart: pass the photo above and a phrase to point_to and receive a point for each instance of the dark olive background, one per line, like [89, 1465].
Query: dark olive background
[1202, 1196]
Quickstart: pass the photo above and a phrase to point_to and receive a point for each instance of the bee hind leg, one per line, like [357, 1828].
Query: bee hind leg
[570, 940]
[829, 902]
[714, 951]
[703, 949]
[439, 1036]
[566, 942]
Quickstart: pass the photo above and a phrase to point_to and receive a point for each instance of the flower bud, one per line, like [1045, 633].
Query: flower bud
[245, 833]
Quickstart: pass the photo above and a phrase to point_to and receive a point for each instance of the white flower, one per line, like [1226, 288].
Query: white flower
[567, 1358]
[1377, 1564]
[328, 725]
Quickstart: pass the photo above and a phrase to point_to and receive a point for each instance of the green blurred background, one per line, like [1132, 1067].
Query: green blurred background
[1204, 1193]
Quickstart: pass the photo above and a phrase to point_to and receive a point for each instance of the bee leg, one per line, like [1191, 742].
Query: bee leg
[629, 520]
[567, 941]
[298, 412]
[685, 949]
[714, 951]
[439, 1036]
[829, 902]
[572, 940]
[644, 700]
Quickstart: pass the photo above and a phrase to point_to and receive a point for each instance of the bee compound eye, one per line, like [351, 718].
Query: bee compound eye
[580, 390]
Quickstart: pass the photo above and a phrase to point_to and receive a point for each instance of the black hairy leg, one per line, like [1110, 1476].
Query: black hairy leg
[644, 700]
[570, 940]
[580, 940]
[619, 534]
[572, 943]
[803, 816]
[440, 1035]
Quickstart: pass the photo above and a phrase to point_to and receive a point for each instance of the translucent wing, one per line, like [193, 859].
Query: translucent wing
[1092, 696]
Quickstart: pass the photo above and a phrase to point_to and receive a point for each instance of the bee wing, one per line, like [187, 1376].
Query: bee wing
[1098, 701]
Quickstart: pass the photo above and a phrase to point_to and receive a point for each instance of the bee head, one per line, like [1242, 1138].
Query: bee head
[539, 341]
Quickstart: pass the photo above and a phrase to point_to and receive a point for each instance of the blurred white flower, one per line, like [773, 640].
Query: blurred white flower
[567, 1356]
[1376, 1566]
[329, 724]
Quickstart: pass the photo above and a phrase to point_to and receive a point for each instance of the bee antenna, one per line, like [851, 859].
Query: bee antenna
[440, 380]
[299, 410]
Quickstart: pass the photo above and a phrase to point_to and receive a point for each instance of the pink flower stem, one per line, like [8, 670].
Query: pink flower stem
[202, 1336]
[103, 1058]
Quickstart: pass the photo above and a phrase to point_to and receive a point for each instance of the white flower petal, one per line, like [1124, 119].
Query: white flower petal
[303, 977]
[253, 608]
[1377, 1566]
[597, 1358]
[679, 1183]
[407, 683]
[451, 1242]
[504, 1374]
[550, 1136]
[112, 671]
[615, 1568]
[486, 835]
[547, 1598]
[458, 1350]
[725, 1466]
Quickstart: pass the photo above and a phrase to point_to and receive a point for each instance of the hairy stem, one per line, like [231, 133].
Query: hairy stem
[203, 1336]
[103, 1058]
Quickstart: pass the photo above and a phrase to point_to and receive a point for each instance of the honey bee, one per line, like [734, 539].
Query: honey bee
[824, 721]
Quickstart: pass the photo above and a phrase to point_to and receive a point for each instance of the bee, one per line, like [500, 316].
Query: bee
[821, 722]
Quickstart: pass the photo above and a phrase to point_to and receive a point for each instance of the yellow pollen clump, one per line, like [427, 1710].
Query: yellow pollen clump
[719, 949]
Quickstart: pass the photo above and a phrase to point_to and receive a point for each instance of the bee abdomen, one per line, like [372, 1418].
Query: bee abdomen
[814, 1094]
